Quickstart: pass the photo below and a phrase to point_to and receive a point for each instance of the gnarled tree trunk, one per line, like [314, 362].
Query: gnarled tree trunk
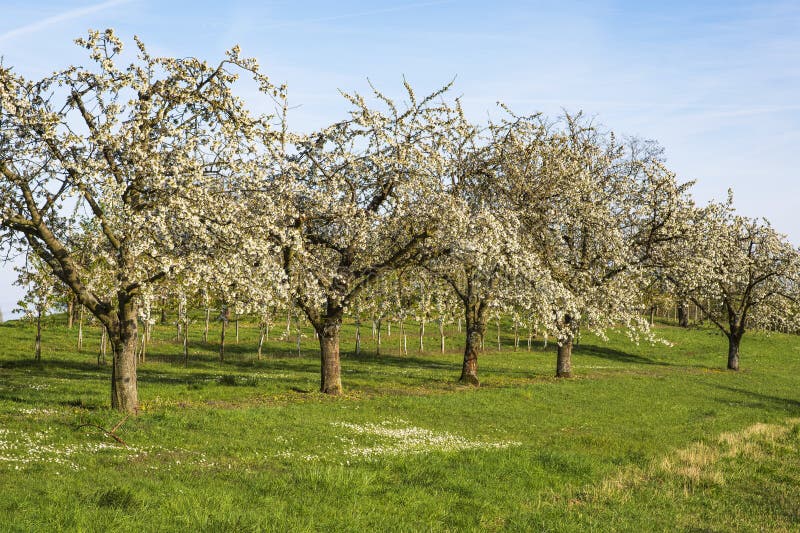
[328, 328]
[734, 341]
[475, 315]
[564, 358]
[124, 393]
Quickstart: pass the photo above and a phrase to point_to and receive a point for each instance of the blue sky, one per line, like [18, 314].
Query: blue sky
[715, 82]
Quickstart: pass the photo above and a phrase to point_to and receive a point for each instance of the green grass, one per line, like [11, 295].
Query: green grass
[647, 437]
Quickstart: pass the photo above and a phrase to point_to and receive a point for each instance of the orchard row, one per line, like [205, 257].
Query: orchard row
[131, 180]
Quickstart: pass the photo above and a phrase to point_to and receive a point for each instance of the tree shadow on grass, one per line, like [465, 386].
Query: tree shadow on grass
[758, 400]
[611, 354]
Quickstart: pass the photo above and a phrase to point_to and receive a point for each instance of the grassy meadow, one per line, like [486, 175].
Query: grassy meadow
[645, 438]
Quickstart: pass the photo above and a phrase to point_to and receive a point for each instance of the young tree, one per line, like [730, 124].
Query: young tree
[41, 290]
[151, 151]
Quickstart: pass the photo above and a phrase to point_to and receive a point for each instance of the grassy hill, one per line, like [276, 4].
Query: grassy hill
[647, 437]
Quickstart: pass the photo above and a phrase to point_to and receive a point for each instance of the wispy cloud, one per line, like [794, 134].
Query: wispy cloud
[61, 17]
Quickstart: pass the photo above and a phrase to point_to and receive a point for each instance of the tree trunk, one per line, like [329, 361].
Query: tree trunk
[403, 350]
[101, 355]
[70, 311]
[653, 315]
[208, 319]
[422, 335]
[38, 348]
[328, 329]
[145, 338]
[441, 334]
[683, 314]
[124, 393]
[224, 318]
[734, 340]
[222, 341]
[186, 339]
[378, 344]
[236, 322]
[358, 335]
[564, 360]
[476, 329]
[299, 337]
[262, 334]
[530, 337]
[80, 329]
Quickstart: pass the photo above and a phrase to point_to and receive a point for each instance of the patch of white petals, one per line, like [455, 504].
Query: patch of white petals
[393, 437]
[20, 449]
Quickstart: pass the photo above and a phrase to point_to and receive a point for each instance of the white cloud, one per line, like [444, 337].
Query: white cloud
[61, 17]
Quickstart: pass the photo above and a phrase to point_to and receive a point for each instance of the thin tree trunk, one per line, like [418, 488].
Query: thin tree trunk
[186, 339]
[208, 319]
[70, 311]
[378, 344]
[358, 335]
[652, 315]
[222, 341]
[261, 335]
[38, 347]
[403, 340]
[441, 334]
[530, 337]
[237, 329]
[683, 314]
[224, 317]
[299, 335]
[422, 335]
[145, 337]
[80, 329]
[498, 335]
[101, 355]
